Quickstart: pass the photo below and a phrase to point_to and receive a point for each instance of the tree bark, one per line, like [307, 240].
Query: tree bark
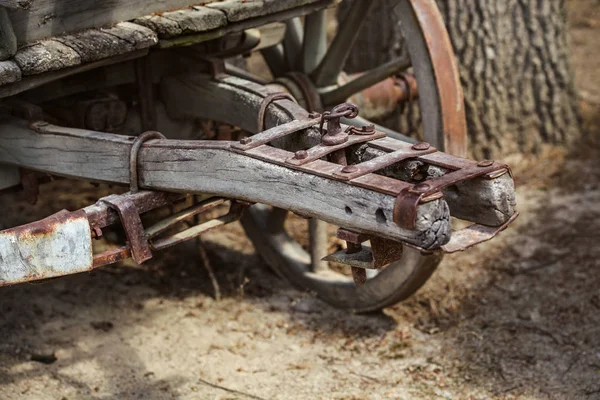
[514, 66]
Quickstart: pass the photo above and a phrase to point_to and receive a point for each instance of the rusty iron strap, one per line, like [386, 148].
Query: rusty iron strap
[405, 209]
[133, 157]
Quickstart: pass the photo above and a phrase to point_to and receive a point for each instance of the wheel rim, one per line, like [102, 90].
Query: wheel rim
[444, 127]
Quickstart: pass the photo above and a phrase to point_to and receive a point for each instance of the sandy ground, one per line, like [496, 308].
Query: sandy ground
[517, 318]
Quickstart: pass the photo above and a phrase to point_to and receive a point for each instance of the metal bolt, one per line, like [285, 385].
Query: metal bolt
[349, 169]
[421, 146]
[421, 187]
[485, 163]
[42, 123]
[368, 129]
[96, 232]
[301, 155]
[245, 140]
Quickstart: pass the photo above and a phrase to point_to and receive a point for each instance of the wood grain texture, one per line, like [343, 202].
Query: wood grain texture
[190, 166]
[183, 22]
[9, 72]
[34, 81]
[483, 201]
[48, 18]
[238, 10]
[8, 40]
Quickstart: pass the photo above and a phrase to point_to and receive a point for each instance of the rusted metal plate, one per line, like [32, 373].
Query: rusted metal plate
[321, 150]
[132, 224]
[55, 246]
[274, 133]
[381, 253]
[381, 162]
[473, 235]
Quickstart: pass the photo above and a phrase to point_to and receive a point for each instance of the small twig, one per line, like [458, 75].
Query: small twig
[370, 378]
[251, 396]
[208, 267]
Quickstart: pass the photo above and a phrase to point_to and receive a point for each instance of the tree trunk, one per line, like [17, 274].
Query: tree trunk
[514, 66]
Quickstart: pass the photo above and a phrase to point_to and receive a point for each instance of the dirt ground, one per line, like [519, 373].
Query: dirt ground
[516, 318]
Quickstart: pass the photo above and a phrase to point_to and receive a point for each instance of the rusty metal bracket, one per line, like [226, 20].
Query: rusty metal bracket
[236, 210]
[132, 224]
[381, 252]
[133, 157]
[335, 135]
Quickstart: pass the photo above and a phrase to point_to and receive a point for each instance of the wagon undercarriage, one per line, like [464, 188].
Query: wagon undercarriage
[266, 148]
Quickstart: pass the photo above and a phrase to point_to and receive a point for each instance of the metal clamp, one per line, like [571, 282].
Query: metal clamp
[267, 102]
[335, 135]
[133, 157]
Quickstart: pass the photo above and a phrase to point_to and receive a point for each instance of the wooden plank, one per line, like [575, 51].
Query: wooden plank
[211, 167]
[44, 56]
[183, 22]
[48, 18]
[34, 81]
[240, 26]
[87, 46]
[96, 44]
[238, 10]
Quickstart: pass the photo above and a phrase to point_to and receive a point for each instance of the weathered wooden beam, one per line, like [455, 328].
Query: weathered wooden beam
[211, 167]
[236, 101]
[481, 200]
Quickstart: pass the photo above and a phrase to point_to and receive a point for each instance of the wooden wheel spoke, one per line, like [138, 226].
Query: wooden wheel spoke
[317, 230]
[276, 220]
[366, 80]
[242, 73]
[292, 42]
[332, 64]
[275, 59]
[314, 45]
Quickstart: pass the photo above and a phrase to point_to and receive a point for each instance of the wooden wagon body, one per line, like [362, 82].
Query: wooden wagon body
[75, 73]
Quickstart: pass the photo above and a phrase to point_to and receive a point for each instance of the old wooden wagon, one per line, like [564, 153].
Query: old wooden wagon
[87, 86]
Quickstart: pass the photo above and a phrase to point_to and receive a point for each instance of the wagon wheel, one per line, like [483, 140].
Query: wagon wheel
[318, 72]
